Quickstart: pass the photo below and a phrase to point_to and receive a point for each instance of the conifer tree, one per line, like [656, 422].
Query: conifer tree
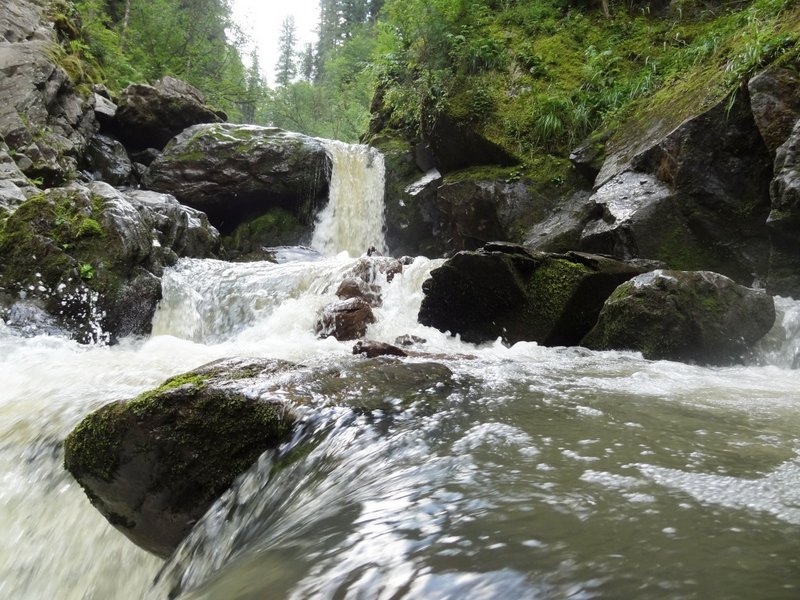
[286, 69]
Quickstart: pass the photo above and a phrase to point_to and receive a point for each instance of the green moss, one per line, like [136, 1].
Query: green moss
[93, 447]
[552, 285]
[277, 227]
[678, 249]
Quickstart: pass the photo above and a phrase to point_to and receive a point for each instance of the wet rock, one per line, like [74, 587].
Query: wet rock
[373, 349]
[784, 220]
[277, 227]
[107, 160]
[690, 316]
[345, 320]
[503, 291]
[775, 102]
[105, 111]
[153, 465]
[91, 256]
[367, 268]
[588, 157]
[149, 116]
[28, 319]
[409, 340]
[235, 173]
[355, 287]
[696, 198]
[561, 229]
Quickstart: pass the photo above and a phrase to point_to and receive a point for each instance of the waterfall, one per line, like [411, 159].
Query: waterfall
[353, 219]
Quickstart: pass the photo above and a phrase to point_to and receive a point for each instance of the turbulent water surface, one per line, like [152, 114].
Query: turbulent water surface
[530, 472]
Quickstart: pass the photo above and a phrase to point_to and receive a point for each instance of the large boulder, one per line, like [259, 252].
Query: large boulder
[107, 160]
[153, 465]
[784, 220]
[148, 116]
[42, 118]
[235, 173]
[91, 256]
[696, 197]
[690, 316]
[775, 101]
[505, 291]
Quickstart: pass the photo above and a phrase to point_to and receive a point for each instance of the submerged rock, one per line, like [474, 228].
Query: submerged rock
[504, 291]
[690, 316]
[236, 173]
[153, 465]
[355, 287]
[373, 349]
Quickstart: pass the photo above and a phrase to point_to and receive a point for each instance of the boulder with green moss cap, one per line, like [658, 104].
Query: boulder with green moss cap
[690, 316]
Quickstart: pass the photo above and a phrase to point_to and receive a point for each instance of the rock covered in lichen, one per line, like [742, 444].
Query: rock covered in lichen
[690, 316]
[504, 291]
[153, 465]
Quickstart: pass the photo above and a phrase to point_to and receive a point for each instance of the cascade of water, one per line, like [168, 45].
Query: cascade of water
[353, 219]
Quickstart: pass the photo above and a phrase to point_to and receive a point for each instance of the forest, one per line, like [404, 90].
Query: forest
[534, 76]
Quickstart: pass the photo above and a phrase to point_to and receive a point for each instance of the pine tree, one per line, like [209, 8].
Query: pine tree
[308, 63]
[286, 69]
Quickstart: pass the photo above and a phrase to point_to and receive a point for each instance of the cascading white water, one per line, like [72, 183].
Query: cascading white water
[532, 472]
[353, 219]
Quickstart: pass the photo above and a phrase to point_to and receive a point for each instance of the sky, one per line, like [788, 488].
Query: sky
[261, 21]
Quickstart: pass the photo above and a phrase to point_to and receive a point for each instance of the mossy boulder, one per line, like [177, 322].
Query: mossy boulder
[91, 256]
[689, 316]
[276, 227]
[153, 465]
[235, 173]
[505, 291]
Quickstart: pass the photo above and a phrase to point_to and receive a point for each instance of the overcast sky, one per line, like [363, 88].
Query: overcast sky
[261, 21]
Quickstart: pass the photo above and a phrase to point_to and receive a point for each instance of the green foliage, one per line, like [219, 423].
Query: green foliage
[86, 271]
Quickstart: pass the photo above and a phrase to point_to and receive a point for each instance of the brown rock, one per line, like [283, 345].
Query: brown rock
[345, 320]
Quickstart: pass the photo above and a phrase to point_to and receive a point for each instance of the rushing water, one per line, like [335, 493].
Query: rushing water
[530, 472]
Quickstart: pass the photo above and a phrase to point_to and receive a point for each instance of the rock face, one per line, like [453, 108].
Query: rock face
[505, 291]
[690, 316]
[775, 101]
[107, 160]
[149, 116]
[153, 465]
[696, 198]
[784, 220]
[91, 256]
[42, 119]
[235, 173]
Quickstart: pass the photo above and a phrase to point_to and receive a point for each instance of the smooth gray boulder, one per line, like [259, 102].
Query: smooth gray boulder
[235, 173]
[148, 116]
[689, 316]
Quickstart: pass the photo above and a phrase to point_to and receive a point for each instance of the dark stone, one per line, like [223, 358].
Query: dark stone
[355, 287]
[149, 116]
[775, 102]
[561, 229]
[154, 465]
[374, 349]
[107, 160]
[105, 111]
[455, 146]
[504, 291]
[696, 198]
[689, 316]
[784, 220]
[588, 157]
[367, 268]
[345, 320]
[235, 173]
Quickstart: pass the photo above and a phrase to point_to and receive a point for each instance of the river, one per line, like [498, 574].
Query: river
[531, 472]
